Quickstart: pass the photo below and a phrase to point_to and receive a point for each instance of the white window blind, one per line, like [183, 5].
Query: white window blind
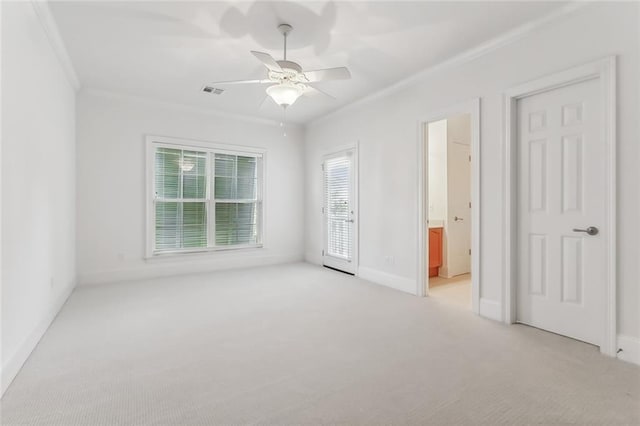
[236, 199]
[337, 185]
[180, 210]
[205, 199]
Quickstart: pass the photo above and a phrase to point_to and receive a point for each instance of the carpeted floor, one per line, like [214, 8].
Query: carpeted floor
[298, 344]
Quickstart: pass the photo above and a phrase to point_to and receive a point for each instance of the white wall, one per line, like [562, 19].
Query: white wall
[2, 373]
[459, 129]
[387, 129]
[437, 135]
[111, 186]
[38, 185]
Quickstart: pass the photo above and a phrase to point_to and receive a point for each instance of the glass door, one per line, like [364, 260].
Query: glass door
[339, 211]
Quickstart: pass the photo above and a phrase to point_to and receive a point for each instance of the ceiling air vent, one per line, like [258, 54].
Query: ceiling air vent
[212, 90]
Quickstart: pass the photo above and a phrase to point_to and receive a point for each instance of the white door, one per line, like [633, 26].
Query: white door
[459, 211]
[339, 211]
[561, 193]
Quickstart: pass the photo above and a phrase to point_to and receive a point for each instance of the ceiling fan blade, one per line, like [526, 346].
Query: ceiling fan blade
[310, 90]
[267, 60]
[340, 73]
[217, 83]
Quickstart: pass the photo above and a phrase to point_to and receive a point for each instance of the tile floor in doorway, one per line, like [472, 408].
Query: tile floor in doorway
[454, 291]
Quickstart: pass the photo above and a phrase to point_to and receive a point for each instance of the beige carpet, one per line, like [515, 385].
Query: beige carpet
[298, 344]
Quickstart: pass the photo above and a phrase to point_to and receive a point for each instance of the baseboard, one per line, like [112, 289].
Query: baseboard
[629, 349]
[443, 272]
[490, 309]
[389, 280]
[179, 266]
[11, 369]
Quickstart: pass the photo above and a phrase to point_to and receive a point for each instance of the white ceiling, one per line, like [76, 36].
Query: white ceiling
[168, 50]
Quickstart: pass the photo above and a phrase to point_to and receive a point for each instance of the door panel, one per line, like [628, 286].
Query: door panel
[561, 178]
[339, 208]
[459, 211]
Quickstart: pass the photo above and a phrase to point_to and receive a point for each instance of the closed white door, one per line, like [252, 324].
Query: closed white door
[339, 211]
[561, 195]
[459, 211]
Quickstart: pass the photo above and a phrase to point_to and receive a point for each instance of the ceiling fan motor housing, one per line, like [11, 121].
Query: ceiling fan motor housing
[291, 72]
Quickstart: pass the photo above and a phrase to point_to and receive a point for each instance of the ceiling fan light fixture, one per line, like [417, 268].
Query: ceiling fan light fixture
[285, 94]
[186, 165]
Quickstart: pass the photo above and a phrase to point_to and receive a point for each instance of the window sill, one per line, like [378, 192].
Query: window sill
[176, 254]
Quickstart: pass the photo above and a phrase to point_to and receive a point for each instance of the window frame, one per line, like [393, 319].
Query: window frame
[153, 142]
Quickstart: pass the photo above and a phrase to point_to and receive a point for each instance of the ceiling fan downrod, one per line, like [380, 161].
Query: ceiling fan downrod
[285, 29]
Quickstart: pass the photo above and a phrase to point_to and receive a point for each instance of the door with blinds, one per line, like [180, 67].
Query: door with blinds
[339, 211]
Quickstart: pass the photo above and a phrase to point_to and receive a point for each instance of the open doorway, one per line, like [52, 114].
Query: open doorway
[449, 206]
[449, 209]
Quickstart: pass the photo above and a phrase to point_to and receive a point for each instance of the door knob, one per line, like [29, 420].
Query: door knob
[592, 230]
[456, 218]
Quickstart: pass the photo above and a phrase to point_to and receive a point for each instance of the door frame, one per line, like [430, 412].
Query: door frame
[471, 107]
[356, 201]
[604, 70]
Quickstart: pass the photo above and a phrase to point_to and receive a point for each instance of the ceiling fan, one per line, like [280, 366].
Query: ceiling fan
[288, 80]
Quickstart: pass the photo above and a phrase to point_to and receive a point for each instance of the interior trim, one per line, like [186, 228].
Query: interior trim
[48, 23]
[464, 57]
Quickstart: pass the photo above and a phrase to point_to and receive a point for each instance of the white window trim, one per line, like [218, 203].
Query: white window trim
[151, 143]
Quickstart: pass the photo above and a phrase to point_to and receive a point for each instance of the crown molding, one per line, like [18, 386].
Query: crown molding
[184, 107]
[482, 49]
[52, 32]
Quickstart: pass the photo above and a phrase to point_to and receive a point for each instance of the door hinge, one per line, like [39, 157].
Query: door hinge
[323, 252]
[469, 158]
[469, 204]
[322, 210]
[469, 251]
[322, 167]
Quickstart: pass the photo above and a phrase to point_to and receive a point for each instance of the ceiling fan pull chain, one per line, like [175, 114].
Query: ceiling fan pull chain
[284, 121]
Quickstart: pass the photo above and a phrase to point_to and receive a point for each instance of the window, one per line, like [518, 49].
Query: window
[204, 198]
